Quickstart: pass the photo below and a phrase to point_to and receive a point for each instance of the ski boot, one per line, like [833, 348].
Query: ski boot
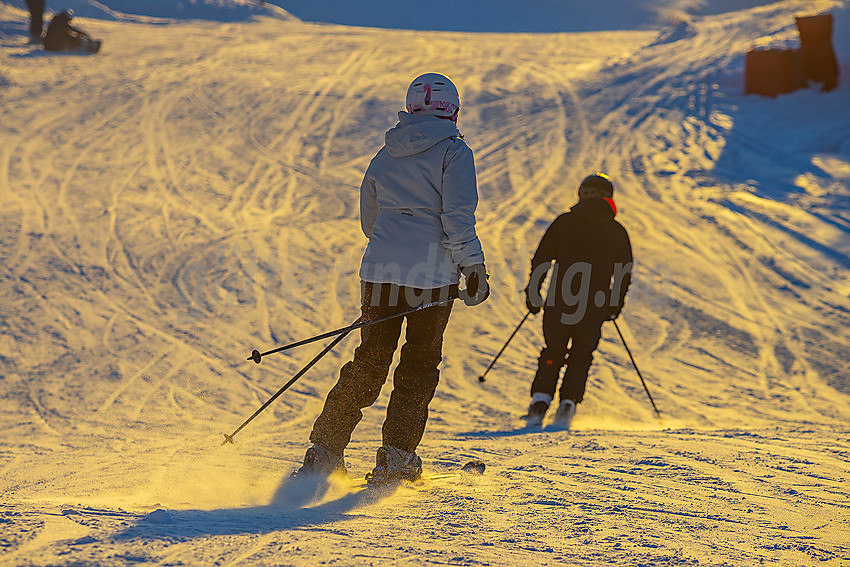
[565, 414]
[537, 410]
[393, 465]
[318, 461]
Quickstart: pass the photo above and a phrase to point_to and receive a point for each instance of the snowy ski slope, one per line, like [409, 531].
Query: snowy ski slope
[190, 193]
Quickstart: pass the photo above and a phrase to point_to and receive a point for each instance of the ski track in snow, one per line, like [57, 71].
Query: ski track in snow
[191, 193]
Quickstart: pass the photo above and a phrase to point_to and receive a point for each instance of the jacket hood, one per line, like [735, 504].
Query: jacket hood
[416, 133]
[595, 210]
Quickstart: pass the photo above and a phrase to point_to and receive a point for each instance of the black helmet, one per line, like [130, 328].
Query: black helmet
[597, 185]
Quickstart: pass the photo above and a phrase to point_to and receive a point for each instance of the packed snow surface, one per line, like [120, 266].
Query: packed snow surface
[190, 193]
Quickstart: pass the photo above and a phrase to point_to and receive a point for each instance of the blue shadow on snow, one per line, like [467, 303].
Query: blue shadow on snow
[288, 510]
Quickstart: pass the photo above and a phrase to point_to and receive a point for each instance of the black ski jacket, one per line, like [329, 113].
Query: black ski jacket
[593, 261]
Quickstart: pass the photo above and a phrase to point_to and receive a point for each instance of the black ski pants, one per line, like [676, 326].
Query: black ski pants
[583, 338]
[414, 380]
[36, 8]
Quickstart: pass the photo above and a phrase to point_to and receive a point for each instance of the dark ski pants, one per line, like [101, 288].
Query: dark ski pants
[583, 338]
[414, 380]
[36, 8]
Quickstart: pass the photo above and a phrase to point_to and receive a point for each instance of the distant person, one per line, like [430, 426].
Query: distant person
[417, 208]
[62, 36]
[36, 8]
[590, 278]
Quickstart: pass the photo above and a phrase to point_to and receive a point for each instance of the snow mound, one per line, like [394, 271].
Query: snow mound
[158, 516]
[678, 30]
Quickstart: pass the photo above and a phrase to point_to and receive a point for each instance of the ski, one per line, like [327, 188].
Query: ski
[472, 468]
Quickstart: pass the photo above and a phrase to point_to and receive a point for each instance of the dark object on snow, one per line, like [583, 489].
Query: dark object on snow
[592, 272]
[818, 57]
[36, 8]
[62, 36]
[474, 467]
[771, 72]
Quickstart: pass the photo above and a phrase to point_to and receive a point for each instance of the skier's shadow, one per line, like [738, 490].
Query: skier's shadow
[38, 52]
[289, 509]
[525, 430]
[497, 434]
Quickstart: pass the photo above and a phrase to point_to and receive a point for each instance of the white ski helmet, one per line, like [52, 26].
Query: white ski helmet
[434, 94]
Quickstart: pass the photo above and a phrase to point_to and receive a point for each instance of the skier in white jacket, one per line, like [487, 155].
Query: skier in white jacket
[417, 208]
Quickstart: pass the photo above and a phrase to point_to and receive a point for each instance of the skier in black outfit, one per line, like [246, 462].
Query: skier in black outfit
[592, 272]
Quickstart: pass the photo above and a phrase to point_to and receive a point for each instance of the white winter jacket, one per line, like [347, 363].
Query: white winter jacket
[417, 206]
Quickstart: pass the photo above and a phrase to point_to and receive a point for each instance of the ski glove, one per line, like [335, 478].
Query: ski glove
[534, 301]
[614, 312]
[477, 289]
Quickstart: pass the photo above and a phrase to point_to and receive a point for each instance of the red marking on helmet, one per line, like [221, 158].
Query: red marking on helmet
[613, 206]
[427, 94]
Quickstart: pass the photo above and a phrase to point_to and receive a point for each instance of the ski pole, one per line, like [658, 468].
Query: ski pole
[326, 350]
[257, 356]
[481, 378]
[657, 413]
